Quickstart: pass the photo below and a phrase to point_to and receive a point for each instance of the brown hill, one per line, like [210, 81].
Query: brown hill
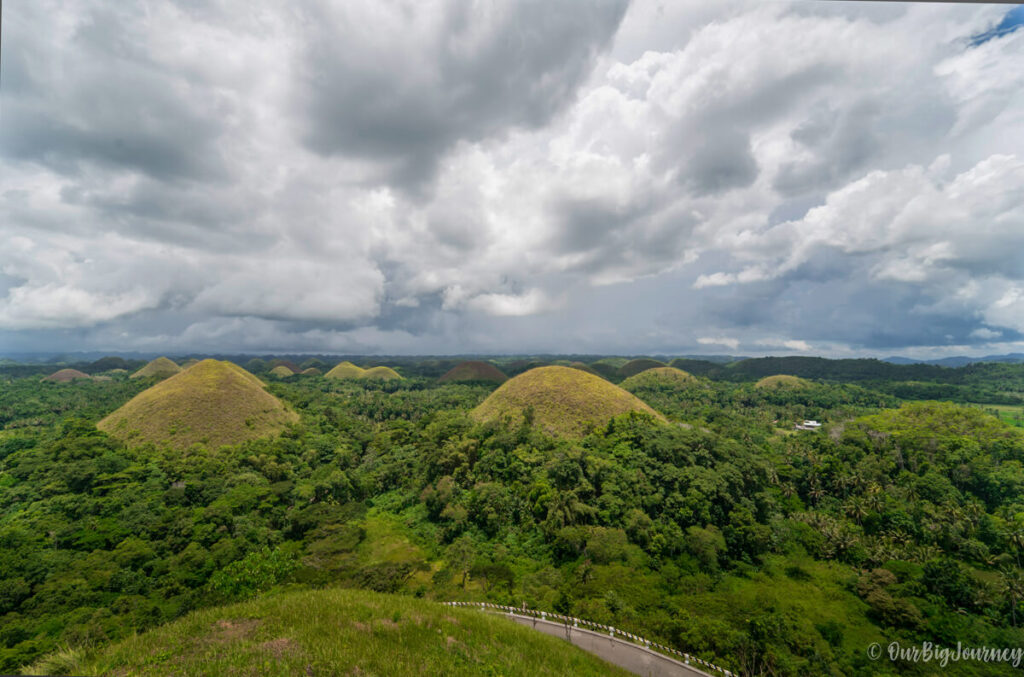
[344, 370]
[285, 363]
[781, 381]
[212, 403]
[634, 367]
[381, 374]
[161, 367]
[657, 378]
[474, 370]
[564, 401]
[65, 376]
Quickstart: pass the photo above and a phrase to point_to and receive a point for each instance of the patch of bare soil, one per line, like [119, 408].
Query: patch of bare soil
[279, 647]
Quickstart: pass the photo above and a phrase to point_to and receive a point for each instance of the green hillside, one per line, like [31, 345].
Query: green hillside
[335, 632]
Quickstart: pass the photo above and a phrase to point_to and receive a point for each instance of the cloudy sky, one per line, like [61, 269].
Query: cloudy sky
[718, 176]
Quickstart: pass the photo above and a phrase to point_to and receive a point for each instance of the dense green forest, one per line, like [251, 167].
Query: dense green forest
[724, 533]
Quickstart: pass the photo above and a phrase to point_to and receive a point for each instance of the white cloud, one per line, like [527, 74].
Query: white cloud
[781, 169]
[732, 343]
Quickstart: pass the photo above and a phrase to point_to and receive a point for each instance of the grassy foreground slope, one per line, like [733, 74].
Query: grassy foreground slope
[335, 632]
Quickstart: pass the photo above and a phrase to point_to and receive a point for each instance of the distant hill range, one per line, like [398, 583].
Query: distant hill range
[959, 360]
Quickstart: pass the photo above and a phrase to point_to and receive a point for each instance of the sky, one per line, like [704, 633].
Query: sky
[432, 177]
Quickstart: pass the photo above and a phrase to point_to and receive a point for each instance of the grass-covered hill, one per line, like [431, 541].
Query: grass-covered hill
[345, 370]
[288, 364]
[634, 367]
[776, 381]
[559, 400]
[583, 366]
[281, 371]
[312, 371]
[657, 377]
[109, 363]
[474, 370]
[161, 367]
[335, 632]
[381, 374]
[212, 402]
[66, 375]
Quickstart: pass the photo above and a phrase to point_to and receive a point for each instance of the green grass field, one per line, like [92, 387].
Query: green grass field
[334, 632]
[1012, 414]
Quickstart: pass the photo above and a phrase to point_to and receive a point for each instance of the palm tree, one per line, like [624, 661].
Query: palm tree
[857, 509]
[1012, 585]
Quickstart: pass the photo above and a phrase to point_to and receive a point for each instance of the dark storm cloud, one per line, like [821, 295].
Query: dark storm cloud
[719, 162]
[478, 70]
[443, 177]
[101, 100]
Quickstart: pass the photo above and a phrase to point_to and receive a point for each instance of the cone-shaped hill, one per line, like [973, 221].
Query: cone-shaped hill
[634, 367]
[311, 371]
[781, 381]
[161, 367]
[583, 366]
[66, 375]
[474, 370]
[212, 402]
[565, 401]
[345, 370]
[108, 363]
[381, 374]
[281, 371]
[658, 377]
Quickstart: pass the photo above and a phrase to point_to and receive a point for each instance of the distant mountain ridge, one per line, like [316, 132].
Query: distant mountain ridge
[958, 360]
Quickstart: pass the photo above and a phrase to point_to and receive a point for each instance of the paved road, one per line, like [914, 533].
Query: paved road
[637, 659]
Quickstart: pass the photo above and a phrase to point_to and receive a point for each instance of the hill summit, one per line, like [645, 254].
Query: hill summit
[344, 370]
[564, 401]
[212, 402]
[658, 377]
[781, 381]
[66, 375]
[161, 367]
